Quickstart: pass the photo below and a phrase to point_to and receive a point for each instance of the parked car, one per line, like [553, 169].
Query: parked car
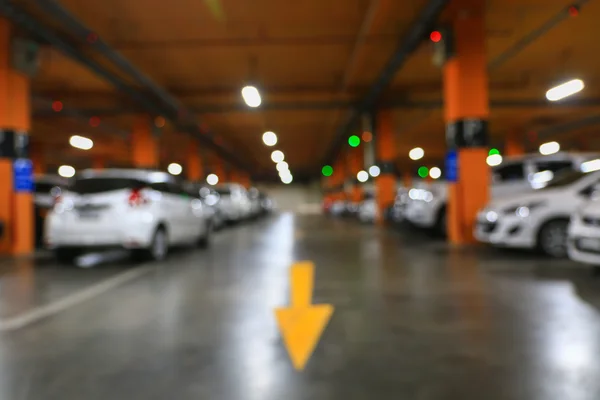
[267, 204]
[426, 207]
[255, 202]
[537, 219]
[235, 203]
[211, 200]
[46, 188]
[584, 232]
[368, 210]
[145, 211]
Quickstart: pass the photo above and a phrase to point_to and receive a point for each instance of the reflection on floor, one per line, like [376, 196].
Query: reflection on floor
[414, 319]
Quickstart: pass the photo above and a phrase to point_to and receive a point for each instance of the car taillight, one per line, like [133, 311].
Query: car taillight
[57, 200]
[136, 198]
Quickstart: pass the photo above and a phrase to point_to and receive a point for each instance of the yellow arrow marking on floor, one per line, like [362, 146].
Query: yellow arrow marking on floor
[302, 324]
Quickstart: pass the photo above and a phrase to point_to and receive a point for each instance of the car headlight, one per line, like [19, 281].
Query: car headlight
[523, 210]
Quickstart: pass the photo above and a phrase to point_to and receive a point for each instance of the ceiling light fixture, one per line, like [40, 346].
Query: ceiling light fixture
[269, 138]
[277, 156]
[374, 171]
[416, 154]
[175, 169]
[282, 166]
[435, 173]
[212, 179]
[549, 148]
[564, 90]
[66, 171]
[81, 142]
[493, 160]
[251, 96]
[362, 176]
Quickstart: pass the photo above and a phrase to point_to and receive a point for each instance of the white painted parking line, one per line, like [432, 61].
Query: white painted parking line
[36, 314]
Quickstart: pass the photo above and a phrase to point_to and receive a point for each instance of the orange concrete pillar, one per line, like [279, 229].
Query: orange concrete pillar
[16, 169]
[466, 111]
[385, 183]
[194, 163]
[143, 142]
[514, 145]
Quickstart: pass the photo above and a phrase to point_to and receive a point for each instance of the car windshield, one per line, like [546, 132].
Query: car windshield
[223, 191]
[43, 187]
[564, 179]
[100, 185]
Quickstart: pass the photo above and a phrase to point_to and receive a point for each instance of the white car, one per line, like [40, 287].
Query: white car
[234, 202]
[584, 232]
[427, 205]
[538, 219]
[255, 202]
[46, 188]
[146, 211]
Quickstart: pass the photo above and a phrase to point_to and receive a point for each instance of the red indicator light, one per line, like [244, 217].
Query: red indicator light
[435, 36]
[92, 37]
[94, 122]
[57, 106]
[573, 11]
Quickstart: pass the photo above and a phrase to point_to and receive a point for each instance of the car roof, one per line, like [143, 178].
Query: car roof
[51, 179]
[131, 173]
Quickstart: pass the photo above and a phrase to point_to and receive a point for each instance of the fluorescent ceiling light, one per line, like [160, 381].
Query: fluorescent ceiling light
[212, 179]
[287, 179]
[175, 169]
[251, 96]
[493, 160]
[416, 154]
[277, 156]
[269, 138]
[362, 176]
[374, 171]
[549, 148]
[282, 166]
[81, 142]
[564, 90]
[66, 171]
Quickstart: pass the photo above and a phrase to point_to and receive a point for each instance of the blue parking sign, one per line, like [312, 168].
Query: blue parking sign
[23, 175]
[452, 166]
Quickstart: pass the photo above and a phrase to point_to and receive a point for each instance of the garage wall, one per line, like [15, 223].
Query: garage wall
[295, 197]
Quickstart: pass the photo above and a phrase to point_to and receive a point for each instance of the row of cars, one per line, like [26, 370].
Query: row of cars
[545, 202]
[142, 210]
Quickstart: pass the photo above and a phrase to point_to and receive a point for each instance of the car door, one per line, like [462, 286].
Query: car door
[168, 210]
[181, 209]
[510, 178]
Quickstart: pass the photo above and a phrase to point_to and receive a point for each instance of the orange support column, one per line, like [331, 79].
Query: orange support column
[514, 144]
[16, 185]
[466, 112]
[144, 148]
[194, 163]
[385, 183]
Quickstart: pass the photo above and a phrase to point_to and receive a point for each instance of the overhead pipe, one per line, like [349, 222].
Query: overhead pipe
[409, 43]
[79, 29]
[534, 35]
[25, 21]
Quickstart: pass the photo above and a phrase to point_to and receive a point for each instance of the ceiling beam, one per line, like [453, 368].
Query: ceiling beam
[416, 32]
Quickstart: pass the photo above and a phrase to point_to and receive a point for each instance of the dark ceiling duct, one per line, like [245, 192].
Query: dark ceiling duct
[409, 43]
[22, 19]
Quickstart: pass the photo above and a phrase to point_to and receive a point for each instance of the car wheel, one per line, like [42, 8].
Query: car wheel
[66, 255]
[158, 249]
[204, 240]
[552, 238]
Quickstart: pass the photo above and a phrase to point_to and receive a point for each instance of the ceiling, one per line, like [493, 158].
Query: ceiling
[309, 66]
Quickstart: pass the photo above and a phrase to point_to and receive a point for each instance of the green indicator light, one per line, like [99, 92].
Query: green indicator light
[354, 141]
[423, 172]
[493, 151]
[327, 170]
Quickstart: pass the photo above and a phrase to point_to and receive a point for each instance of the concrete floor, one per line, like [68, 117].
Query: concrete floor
[414, 319]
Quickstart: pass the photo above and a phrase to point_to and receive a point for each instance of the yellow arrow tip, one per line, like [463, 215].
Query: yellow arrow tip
[301, 329]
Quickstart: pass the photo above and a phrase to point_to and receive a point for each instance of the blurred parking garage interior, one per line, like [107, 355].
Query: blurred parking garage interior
[319, 199]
